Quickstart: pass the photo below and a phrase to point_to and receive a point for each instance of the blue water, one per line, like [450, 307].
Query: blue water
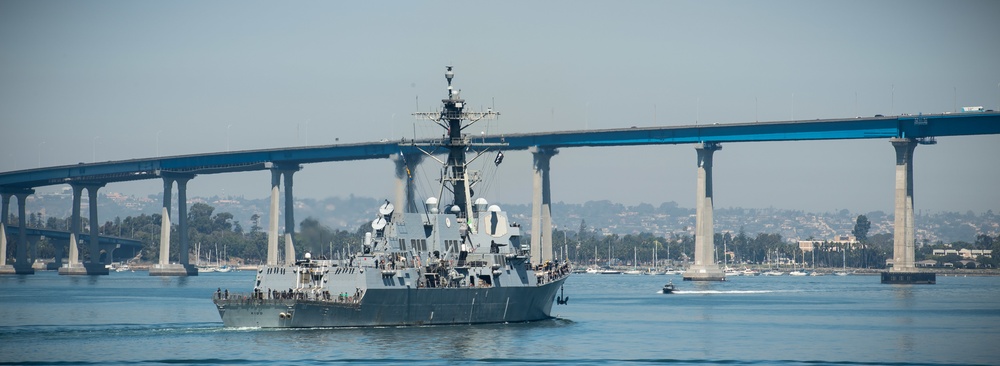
[131, 318]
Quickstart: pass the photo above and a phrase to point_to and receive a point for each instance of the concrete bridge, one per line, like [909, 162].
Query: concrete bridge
[109, 248]
[904, 133]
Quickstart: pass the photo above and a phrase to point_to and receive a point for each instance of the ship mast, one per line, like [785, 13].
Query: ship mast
[451, 118]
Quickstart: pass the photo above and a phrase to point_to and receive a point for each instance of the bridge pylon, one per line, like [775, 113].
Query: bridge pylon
[704, 267]
[903, 270]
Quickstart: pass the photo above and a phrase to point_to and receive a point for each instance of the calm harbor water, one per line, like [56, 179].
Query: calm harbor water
[131, 318]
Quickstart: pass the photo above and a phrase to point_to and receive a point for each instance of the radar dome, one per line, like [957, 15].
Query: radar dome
[481, 204]
[430, 205]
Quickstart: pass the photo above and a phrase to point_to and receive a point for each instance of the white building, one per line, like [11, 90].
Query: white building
[841, 241]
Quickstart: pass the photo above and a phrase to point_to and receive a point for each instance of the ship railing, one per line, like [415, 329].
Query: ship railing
[555, 273]
[265, 298]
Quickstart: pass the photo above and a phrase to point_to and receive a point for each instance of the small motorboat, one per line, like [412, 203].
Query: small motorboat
[668, 288]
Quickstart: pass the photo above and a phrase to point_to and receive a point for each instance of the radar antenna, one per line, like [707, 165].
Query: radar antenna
[451, 118]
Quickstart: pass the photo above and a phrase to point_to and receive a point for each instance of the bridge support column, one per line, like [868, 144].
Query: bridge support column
[272, 232]
[405, 167]
[94, 267]
[4, 267]
[705, 268]
[272, 224]
[903, 269]
[289, 218]
[541, 205]
[57, 246]
[34, 250]
[21, 263]
[165, 224]
[73, 265]
[95, 228]
[182, 221]
[182, 267]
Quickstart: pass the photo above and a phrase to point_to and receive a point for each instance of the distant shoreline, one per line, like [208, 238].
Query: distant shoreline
[945, 272]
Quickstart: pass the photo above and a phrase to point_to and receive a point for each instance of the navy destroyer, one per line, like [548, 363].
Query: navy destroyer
[458, 263]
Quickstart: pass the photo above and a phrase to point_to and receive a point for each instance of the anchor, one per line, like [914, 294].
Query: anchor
[562, 300]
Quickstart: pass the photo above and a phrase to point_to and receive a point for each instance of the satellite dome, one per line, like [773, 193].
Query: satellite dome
[430, 205]
[481, 204]
[494, 208]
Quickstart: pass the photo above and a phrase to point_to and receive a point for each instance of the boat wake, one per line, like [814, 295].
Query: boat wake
[707, 292]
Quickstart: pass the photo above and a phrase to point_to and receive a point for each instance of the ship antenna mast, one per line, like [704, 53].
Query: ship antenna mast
[451, 118]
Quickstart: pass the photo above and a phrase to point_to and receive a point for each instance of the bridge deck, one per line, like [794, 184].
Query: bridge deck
[922, 126]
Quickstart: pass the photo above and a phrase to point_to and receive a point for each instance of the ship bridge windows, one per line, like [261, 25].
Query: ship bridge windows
[477, 263]
[416, 244]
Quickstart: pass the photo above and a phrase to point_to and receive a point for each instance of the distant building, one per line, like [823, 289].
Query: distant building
[840, 241]
[944, 252]
[926, 263]
[964, 253]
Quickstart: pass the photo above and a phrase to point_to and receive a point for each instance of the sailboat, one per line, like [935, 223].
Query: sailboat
[729, 272]
[813, 272]
[655, 270]
[223, 267]
[774, 271]
[796, 272]
[610, 270]
[844, 272]
[635, 263]
[204, 268]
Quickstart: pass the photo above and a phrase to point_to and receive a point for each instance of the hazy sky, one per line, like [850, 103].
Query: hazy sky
[129, 79]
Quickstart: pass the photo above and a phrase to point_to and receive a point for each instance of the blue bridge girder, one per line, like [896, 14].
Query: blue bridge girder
[909, 126]
[13, 230]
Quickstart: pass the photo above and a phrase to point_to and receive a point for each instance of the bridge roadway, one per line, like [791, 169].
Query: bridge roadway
[904, 131]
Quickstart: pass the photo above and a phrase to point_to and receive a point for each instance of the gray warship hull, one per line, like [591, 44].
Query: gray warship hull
[396, 307]
[457, 263]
